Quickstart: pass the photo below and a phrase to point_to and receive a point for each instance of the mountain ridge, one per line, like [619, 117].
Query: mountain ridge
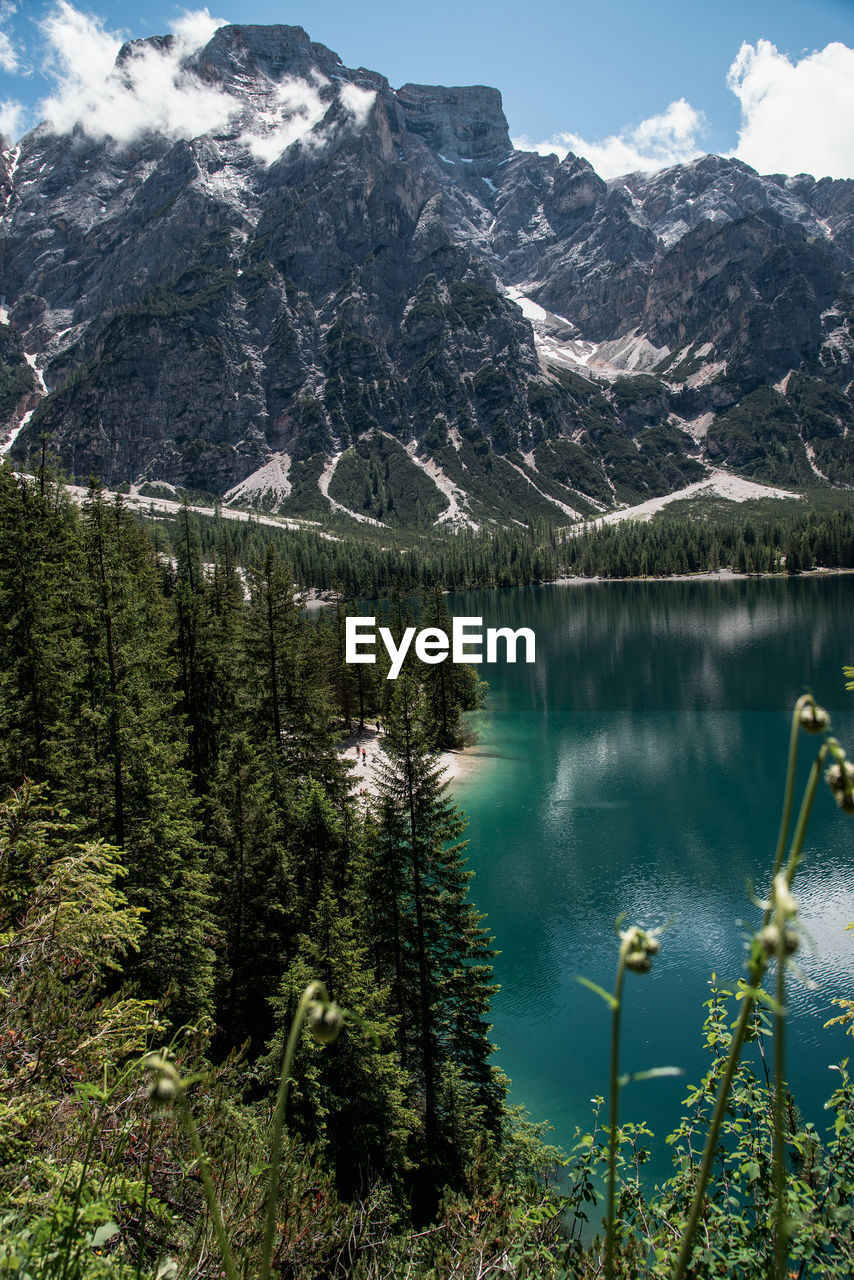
[367, 296]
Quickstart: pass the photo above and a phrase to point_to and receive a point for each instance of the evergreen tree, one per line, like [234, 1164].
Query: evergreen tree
[428, 943]
[350, 1097]
[287, 697]
[131, 749]
[450, 688]
[40, 649]
[255, 893]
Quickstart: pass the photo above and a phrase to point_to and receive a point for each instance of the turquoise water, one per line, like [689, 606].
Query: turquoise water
[638, 766]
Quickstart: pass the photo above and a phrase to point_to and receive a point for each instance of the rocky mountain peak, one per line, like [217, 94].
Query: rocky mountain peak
[465, 123]
[370, 296]
[239, 51]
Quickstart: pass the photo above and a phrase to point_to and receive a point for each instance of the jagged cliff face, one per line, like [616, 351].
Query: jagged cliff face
[347, 296]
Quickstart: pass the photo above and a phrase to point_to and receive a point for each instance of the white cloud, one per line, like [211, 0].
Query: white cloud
[12, 116]
[668, 138]
[195, 28]
[154, 90]
[298, 108]
[357, 102]
[298, 111]
[10, 60]
[151, 91]
[797, 117]
[8, 55]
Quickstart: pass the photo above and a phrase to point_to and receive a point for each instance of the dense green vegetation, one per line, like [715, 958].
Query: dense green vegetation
[368, 567]
[175, 755]
[184, 852]
[768, 434]
[375, 477]
[16, 376]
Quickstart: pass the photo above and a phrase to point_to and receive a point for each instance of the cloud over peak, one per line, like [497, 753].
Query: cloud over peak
[152, 90]
[672, 137]
[796, 117]
[155, 88]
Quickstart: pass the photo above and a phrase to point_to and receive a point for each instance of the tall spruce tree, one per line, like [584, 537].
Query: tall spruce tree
[288, 699]
[428, 943]
[450, 688]
[131, 748]
[41, 657]
[256, 897]
[351, 1097]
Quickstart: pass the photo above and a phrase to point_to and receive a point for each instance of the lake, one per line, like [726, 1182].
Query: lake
[638, 766]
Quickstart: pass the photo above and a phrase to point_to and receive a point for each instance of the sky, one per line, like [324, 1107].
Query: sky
[630, 84]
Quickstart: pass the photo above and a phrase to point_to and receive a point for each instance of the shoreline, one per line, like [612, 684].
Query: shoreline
[456, 765]
[706, 575]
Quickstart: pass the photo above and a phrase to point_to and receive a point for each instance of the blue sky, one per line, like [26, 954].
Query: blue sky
[593, 72]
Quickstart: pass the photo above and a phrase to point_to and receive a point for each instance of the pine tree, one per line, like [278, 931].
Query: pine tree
[131, 745]
[428, 943]
[287, 695]
[450, 688]
[256, 894]
[350, 1097]
[41, 655]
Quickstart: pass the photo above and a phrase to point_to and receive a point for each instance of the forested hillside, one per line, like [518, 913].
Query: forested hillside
[367, 567]
[177, 799]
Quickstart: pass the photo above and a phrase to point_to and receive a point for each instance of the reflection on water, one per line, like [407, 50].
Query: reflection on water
[638, 766]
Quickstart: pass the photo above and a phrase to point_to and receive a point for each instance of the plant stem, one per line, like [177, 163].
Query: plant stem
[610, 1241]
[756, 970]
[710, 1148]
[78, 1190]
[780, 1236]
[790, 785]
[803, 818]
[146, 1183]
[210, 1190]
[314, 991]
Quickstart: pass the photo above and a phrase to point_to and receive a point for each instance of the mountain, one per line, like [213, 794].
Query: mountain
[345, 296]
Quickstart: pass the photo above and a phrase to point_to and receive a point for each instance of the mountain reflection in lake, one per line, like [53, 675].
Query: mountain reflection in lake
[638, 766]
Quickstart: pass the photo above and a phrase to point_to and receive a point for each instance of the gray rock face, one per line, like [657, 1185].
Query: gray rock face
[341, 258]
[465, 123]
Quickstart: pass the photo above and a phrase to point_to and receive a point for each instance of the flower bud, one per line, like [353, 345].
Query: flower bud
[840, 779]
[781, 897]
[814, 719]
[770, 938]
[325, 1022]
[163, 1090]
[637, 947]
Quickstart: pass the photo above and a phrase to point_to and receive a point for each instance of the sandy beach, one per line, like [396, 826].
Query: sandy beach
[456, 765]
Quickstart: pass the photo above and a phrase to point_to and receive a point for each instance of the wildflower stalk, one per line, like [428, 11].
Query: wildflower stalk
[78, 1193]
[209, 1188]
[780, 1235]
[789, 794]
[145, 1186]
[313, 993]
[610, 1241]
[756, 969]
